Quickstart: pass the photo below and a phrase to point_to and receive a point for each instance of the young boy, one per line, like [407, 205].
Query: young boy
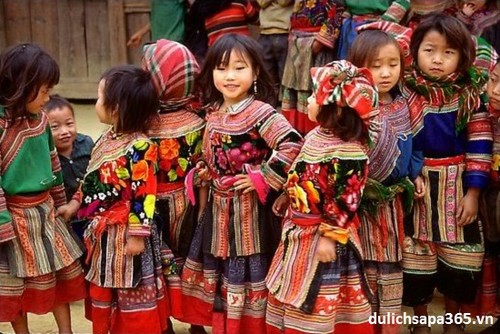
[73, 148]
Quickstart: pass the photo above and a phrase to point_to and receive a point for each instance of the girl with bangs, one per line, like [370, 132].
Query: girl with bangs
[247, 148]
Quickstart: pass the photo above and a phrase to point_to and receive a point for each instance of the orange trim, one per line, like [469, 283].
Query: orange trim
[168, 187]
[444, 161]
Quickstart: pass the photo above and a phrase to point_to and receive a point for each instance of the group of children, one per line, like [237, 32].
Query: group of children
[203, 203]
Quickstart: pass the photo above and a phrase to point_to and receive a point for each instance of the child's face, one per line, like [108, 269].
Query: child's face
[42, 97]
[235, 79]
[386, 68]
[104, 115]
[312, 108]
[493, 88]
[435, 57]
[63, 126]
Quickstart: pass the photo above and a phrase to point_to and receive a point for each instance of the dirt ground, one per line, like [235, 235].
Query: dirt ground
[87, 123]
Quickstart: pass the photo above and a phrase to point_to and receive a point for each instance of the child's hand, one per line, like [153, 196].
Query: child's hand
[67, 211]
[281, 204]
[468, 207]
[203, 172]
[135, 245]
[316, 47]
[419, 187]
[326, 250]
[243, 182]
[469, 8]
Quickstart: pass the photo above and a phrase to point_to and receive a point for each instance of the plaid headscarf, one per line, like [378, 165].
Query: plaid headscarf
[344, 84]
[173, 68]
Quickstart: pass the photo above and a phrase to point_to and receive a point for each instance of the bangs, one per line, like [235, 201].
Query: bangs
[222, 52]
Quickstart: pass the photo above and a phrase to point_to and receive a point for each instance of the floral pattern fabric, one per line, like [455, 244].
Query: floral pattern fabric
[176, 156]
[332, 188]
[128, 178]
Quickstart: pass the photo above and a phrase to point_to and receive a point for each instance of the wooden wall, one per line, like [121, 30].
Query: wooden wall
[85, 36]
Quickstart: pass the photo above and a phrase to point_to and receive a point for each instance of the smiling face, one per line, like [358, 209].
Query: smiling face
[435, 57]
[493, 88]
[235, 79]
[42, 96]
[62, 124]
[386, 68]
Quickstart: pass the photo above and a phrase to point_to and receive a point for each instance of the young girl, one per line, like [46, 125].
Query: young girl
[248, 148]
[490, 303]
[39, 271]
[443, 247]
[316, 281]
[393, 163]
[178, 133]
[127, 288]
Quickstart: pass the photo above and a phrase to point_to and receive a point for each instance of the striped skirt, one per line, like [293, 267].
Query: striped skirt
[228, 294]
[143, 308]
[311, 297]
[39, 269]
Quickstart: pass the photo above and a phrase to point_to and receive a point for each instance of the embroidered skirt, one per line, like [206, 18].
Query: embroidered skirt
[39, 269]
[227, 293]
[176, 219]
[313, 297]
[143, 308]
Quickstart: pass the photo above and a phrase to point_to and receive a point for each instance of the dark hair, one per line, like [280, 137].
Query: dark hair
[130, 90]
[219, 53]
[345, 122]
[58, 102]
[367, 45]
[24, 69]
[456, 34]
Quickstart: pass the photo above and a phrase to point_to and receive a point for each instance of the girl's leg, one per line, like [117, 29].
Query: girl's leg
[420, 310]
[453, 307]
[20, 325]
[62, 315]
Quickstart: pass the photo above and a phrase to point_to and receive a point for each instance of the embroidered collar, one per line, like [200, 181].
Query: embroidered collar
[240, 106]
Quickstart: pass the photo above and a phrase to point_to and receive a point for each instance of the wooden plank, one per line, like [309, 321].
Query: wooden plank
[117, 32]
[77, 90]
[44, 28]
[136, 16]
[3, 38]
[98, 41]
[17, 21]
[72, 50]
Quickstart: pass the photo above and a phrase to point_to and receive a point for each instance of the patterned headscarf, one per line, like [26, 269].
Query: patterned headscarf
[173, 68]
[344, 84]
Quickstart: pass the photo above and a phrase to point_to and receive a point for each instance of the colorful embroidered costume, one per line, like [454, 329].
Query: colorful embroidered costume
[228, 261]
[312, 20]
[38, 255]
[452, 130]
[178, 133]
[119, 195]
[387, 199]
[325, 185]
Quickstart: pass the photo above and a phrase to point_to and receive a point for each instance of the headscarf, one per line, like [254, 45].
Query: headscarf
[173, 68]
[344, 84]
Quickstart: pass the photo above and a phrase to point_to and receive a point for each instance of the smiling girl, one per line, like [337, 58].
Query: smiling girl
[248, 148]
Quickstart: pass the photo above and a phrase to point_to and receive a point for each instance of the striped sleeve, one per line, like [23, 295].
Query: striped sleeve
[285, 142]
[479, 149]
[396, 11]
